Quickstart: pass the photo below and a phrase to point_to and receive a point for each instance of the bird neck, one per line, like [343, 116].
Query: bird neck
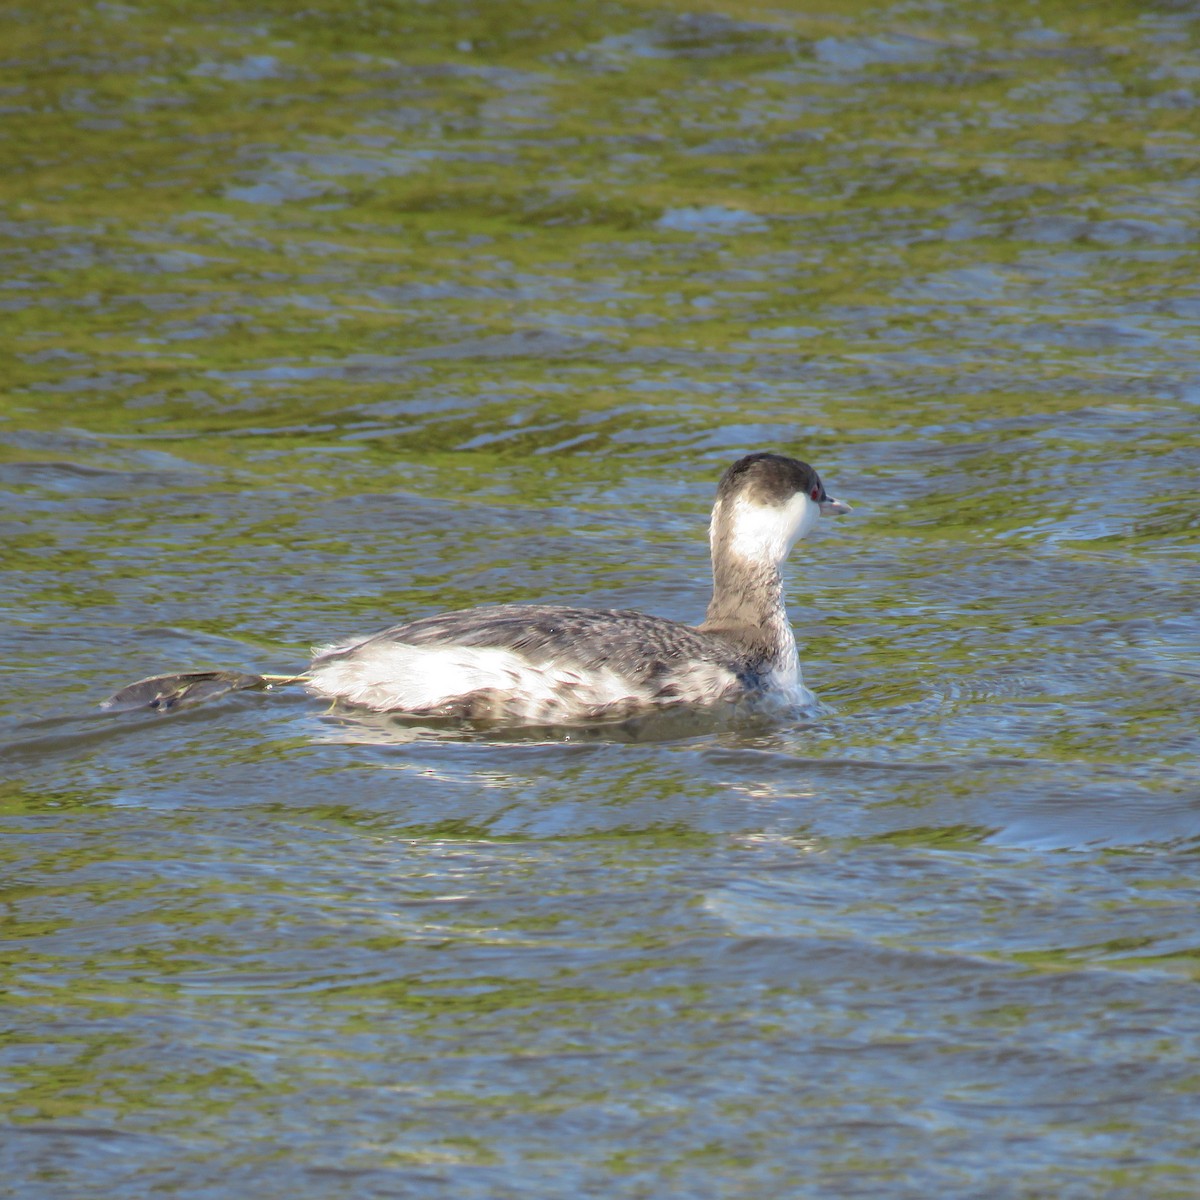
[747, 609]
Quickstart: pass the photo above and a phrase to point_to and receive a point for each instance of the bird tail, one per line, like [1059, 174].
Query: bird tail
[167, 692]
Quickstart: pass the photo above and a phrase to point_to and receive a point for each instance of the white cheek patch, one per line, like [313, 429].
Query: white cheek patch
[767, 532]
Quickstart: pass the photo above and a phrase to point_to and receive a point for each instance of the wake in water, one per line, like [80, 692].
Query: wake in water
[167, 692]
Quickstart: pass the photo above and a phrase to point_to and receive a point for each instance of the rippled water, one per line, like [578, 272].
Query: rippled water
[324, 316]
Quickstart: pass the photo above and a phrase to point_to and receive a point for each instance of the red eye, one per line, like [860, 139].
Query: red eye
[816, 493]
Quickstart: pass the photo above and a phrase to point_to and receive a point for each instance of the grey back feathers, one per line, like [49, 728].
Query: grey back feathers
[540, 663]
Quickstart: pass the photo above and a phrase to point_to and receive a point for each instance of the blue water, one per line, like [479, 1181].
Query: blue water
[325, 319]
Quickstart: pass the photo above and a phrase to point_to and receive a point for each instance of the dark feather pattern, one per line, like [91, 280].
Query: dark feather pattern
[646, 650]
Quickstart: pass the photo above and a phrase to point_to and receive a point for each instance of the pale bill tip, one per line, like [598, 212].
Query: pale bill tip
[831, 507]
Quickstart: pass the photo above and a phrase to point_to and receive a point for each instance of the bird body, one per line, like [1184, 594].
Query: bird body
[550, 664]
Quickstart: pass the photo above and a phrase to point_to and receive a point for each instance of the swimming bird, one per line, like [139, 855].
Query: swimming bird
[552, 664]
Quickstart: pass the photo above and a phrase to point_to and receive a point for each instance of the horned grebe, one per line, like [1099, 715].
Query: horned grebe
[556, 664]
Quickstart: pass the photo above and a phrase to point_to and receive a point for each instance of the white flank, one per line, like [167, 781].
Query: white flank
[395, 677]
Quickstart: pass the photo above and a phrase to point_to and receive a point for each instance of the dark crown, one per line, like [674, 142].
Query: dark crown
[769, 479]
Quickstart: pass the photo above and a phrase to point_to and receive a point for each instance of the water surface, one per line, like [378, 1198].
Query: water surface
[321, 318]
